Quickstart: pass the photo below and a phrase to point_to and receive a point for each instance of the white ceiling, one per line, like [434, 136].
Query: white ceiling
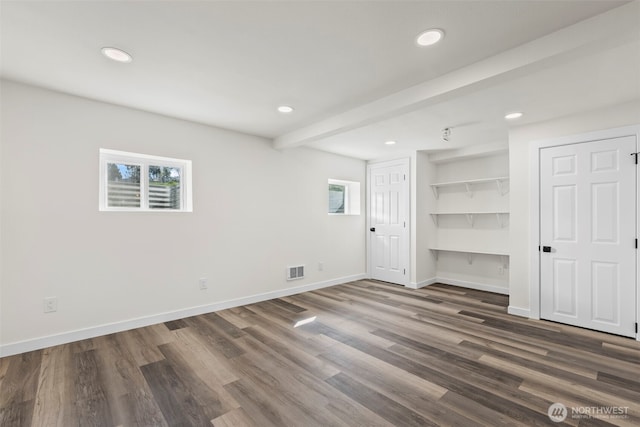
[596, 80]
[351, 69]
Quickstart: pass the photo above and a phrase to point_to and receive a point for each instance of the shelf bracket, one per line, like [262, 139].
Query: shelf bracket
[500, 219]
[434, 188]
[469, 189]
[434, 217]
[469, 258]
[501, 190]
[470, 219]
[435, 253]
[504, 259]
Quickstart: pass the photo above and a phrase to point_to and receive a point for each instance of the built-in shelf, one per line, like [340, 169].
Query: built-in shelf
[468, 185]
[469, 215]
[504, 255]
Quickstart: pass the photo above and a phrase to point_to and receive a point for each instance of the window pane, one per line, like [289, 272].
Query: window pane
[336, 198]
[164, 187]
[123, 185]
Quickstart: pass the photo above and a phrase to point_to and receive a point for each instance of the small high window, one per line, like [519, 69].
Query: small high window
[344, 197]
[140, 182]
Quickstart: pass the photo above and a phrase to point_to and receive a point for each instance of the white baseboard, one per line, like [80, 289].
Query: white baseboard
[517, 311]
[96, 331]
[423, 283]
[473, 285]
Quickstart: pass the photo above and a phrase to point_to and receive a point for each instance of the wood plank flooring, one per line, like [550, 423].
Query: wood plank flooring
[375, 355]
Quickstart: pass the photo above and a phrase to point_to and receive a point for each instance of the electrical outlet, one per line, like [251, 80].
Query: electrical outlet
[321, 266]
[50, 304]
[203, 283]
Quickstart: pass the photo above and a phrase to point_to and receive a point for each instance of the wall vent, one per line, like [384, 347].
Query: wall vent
[296, 272]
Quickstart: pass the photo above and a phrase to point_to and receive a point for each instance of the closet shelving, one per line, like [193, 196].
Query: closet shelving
[504, 255]
[468, 185]
[500, 216]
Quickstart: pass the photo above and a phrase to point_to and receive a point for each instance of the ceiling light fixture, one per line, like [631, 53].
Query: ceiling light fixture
[116, 54]
[285, 109]
[446, 134]
[390, 142]
[512, 116]
[430, 37]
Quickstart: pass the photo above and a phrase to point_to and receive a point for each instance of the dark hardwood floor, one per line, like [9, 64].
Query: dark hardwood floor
[375, 355]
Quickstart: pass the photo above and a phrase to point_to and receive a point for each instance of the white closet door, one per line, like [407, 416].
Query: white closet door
[587, 233]
[388, 222]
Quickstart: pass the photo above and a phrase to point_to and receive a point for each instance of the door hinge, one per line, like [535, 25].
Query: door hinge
[404, 271]
[636, 327]
[635, 154]
[404, 176]
[636, 243]
[404, 224]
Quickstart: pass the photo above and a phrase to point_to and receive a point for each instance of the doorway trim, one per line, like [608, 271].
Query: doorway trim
[534, 206]
[406, 162]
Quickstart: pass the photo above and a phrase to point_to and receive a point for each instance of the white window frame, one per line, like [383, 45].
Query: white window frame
[144, 161]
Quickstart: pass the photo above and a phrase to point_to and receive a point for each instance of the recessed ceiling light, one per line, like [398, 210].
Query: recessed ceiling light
[285, 109]
[512, 116]
[390, 142]
[116, 54]
[430, 37]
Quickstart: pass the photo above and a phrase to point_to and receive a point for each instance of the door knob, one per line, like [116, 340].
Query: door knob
[372, 229]
[546, 249]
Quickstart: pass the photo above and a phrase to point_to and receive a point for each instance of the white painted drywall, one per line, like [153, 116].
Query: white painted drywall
[519, 165]
[255, 212]
[423, 231]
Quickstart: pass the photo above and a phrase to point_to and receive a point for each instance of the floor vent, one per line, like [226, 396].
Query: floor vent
[294, 273]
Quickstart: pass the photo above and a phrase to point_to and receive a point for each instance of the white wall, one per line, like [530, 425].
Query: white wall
[423, 231]
[519, 164]
[256, 211]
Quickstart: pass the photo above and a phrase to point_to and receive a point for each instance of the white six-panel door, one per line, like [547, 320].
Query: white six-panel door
[587, 234]
[388, 221]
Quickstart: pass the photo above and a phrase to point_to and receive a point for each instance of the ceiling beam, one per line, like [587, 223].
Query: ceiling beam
[611, 28]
